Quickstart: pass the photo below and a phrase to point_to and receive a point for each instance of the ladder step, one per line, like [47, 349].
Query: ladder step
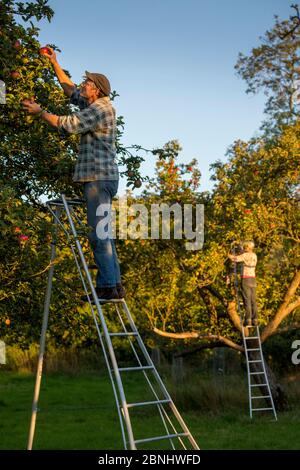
[251, 337]
[258, 385]
[253, 349]
[128, 369]
[256, 360]
[261, 409]
[261, 396]
[159, 438]
[70, 202]
[256, 373]
[129, 333]
[146, 403]
[105, 301]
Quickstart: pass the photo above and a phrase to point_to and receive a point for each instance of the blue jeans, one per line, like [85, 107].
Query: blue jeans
[99, 195]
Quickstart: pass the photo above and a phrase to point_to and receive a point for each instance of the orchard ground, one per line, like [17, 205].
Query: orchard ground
[77, 411]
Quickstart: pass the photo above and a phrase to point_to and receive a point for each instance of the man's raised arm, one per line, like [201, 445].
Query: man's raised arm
[66, 83]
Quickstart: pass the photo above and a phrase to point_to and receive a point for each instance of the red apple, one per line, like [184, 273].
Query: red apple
[189, 168]
[17, 45]
[23, 238]
[15, 74]
[137, 184]
[17, 230]
[130, 173]
[7, 322]
[247, 211]
[45, 50]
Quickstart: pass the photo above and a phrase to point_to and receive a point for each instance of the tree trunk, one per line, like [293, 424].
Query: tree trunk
[279, 396]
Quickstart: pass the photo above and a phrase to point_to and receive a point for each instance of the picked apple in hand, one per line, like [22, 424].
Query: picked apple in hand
[45, 51]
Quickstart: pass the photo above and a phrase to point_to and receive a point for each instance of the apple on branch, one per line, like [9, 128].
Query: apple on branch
[15, 74]
[17, 45]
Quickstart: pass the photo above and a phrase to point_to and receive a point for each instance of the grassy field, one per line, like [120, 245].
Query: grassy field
[78, 412]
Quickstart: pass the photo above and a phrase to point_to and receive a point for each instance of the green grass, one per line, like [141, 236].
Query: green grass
[78, 412]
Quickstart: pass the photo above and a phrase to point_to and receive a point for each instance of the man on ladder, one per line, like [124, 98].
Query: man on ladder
[96, 167]
[249, 260]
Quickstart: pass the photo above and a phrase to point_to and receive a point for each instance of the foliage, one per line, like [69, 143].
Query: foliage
[36, 159]
[273, 66]
[254, 198]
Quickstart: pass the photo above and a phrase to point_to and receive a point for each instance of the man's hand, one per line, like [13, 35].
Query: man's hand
[51, 56]
[31, 107]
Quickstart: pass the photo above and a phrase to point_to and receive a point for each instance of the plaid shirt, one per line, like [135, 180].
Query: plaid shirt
[96, 123]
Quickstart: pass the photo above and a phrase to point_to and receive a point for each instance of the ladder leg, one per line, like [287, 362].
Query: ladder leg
[159, 380]
[42, 342]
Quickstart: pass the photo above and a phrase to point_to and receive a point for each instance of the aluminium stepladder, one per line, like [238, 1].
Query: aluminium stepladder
[259, 390]
[260, 395]
[175, 434]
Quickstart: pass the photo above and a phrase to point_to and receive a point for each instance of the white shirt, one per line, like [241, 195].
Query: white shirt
[249, 261]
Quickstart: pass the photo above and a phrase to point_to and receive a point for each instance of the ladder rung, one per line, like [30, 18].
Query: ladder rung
[256, 373]
[251, 337]
[127, 369]
[145, 403]
[261, 409]
[255, 349]
[159, 438]
[258, 385]
[129, 333]
[261, 396]
[105, 301]
[256, 360]
[70, 202]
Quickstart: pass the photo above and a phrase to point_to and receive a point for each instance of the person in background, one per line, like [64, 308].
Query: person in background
[248, 280]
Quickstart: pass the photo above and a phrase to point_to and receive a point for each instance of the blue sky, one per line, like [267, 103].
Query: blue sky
[172, 63]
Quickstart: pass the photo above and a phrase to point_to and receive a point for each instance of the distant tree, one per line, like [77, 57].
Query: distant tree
[256, 198]
[274, 68]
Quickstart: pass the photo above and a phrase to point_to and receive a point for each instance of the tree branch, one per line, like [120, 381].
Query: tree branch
[293, 326]
[233, 315]
[216, 294]
[284, 309]
[295, 17]
[195, 335]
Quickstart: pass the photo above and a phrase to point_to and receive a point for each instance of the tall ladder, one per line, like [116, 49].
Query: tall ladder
[260, 396]
[259, 391]
[173, 433]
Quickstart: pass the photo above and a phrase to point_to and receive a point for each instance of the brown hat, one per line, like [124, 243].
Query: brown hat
[100, 81]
